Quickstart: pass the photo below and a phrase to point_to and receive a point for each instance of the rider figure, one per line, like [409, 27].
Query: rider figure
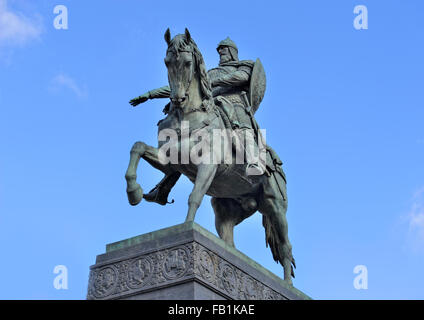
[230, 81]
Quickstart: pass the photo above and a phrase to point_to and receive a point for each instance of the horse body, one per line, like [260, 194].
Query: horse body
[235, 196]
[241, 186]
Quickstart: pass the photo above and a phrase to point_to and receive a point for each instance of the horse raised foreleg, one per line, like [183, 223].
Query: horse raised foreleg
[204, 178]
[134, 190]
[148, 153]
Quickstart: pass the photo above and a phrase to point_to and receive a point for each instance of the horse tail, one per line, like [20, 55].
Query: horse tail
[280, 251]
[276, 190]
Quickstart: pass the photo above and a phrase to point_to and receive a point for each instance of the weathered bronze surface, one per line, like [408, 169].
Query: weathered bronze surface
[223, 98]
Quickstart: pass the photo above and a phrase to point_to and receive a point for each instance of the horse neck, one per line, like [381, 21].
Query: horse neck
[195, 99]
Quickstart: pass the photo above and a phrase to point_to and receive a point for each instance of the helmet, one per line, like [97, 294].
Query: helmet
[227, 43]
[231, 47]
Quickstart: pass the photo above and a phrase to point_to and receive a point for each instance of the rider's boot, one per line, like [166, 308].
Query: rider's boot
[254, 169]
[256, 164]
[159, 194]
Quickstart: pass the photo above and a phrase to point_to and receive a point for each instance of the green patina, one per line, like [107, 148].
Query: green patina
[217, 100]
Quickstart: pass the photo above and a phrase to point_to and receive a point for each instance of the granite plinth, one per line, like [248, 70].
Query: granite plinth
[183, 262]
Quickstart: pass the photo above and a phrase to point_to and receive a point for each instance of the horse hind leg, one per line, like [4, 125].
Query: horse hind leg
[228, 214]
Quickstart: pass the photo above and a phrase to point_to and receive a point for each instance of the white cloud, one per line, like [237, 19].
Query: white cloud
[416, 220]
[16, 28]
[65, 81]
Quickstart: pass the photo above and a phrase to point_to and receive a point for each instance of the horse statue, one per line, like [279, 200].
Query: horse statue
[235, 197]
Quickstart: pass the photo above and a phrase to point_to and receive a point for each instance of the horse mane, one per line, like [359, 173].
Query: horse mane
[180, 43]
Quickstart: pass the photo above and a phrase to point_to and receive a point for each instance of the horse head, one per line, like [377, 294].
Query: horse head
[186, 70]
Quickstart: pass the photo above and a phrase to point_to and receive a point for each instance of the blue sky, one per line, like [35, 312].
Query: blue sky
[344, 109]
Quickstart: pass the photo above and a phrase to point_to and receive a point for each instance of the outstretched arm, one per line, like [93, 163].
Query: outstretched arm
[162, 92]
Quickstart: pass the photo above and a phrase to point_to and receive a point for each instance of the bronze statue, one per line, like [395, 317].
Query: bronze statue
[224, 98]
[229, 81]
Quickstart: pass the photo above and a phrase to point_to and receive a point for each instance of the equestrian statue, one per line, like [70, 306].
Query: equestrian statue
[222, 99]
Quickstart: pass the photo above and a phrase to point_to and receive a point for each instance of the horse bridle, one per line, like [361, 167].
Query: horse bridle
[191, 73]
[205, 103]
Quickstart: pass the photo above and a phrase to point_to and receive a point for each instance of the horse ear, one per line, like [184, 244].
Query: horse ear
[187, 35]
[168, 36]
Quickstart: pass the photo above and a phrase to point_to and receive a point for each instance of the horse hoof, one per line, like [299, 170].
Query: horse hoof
[135, 195]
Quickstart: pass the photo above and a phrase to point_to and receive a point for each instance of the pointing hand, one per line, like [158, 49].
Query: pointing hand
[136, 101]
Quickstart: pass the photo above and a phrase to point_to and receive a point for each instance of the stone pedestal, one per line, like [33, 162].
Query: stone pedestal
[183, 262]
